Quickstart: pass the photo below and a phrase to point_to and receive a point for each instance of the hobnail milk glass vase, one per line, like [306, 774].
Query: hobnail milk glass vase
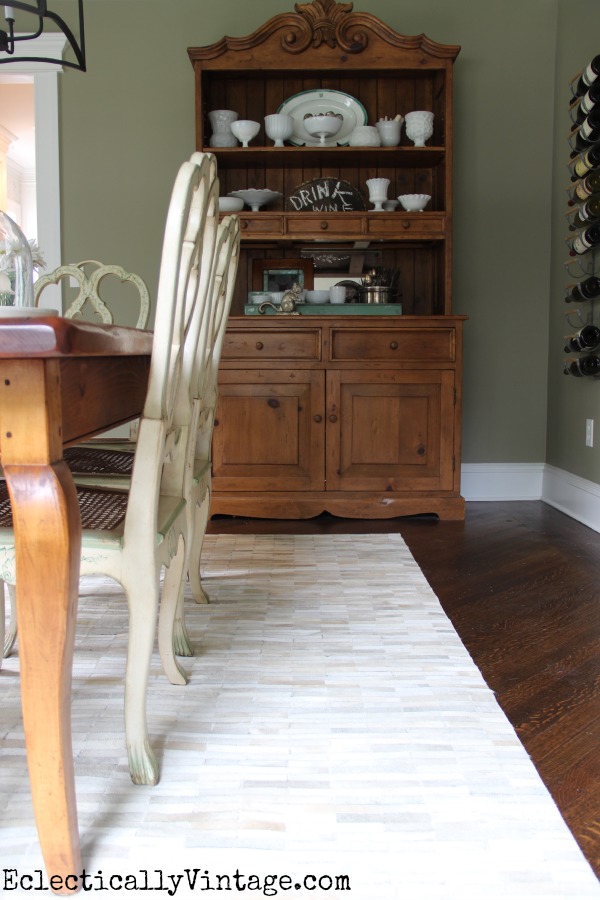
[16, 265]
[418, 126]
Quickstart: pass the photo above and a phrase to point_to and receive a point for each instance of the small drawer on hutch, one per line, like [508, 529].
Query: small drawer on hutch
[405, 224]
[260, 226]
[402, 345]
[296, 344]
[310, 226]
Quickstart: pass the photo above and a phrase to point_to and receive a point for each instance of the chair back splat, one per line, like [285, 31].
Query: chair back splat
[89, 290]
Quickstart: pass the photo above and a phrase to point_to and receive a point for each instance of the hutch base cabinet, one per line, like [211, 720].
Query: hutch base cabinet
[356, 415]
[333, 414]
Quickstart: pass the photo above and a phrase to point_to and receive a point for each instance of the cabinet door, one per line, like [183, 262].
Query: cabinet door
[390, 430]
[269, 431]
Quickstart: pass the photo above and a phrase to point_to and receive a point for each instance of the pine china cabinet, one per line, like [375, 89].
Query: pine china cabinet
[353, 414]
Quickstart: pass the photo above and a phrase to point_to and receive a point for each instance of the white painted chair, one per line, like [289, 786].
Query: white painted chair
[90, 275]
[195, 408]
[198, 427]
[147, 525]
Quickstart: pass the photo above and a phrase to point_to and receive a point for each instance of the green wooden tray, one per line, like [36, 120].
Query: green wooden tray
[335, 309]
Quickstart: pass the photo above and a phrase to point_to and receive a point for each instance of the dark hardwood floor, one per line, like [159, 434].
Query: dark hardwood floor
[520, 581]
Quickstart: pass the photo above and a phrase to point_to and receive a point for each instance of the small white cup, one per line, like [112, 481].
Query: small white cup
[337, 293]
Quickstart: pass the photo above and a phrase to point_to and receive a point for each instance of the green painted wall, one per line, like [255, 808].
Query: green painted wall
[570, 400]
[129, 121]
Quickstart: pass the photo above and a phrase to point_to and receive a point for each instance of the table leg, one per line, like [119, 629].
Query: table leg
[47, 542]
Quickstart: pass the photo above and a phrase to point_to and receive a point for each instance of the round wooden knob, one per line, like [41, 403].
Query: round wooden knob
[324, 226]
[259, 345]
[333, 418]
[393, 345]
[243, 223]
[318, 418]
[405, 224]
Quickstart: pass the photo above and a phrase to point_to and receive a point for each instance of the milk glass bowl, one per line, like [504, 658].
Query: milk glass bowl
[414, 202]
[279, 127]
[230, 204]
[245, 130]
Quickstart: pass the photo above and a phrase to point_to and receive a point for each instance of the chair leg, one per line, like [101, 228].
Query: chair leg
[197, 540]
[172, 636]
[142, 596]
[10, 635]
[181, 643]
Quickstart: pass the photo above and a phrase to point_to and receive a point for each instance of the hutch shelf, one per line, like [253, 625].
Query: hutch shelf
[354, 415]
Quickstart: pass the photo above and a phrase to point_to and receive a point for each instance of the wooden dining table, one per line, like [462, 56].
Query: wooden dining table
[61, 381]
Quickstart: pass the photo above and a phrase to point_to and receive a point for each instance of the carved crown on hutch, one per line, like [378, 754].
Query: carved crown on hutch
[330, 25]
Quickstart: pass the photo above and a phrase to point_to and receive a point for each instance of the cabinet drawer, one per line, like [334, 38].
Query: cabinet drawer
[406, 225]
[394, 344]
[296, 344]
[261, 226]
[310, 226]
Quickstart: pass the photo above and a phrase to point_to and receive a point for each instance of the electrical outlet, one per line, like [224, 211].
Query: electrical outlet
[589, 432]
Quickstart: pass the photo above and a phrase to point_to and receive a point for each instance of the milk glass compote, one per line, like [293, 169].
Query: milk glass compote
[323, 127]
[245, 130]
[279, 127]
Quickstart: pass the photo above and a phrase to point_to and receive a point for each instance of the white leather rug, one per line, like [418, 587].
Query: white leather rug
[335, 734]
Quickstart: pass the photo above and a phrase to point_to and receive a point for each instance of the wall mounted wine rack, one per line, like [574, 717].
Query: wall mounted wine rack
[582, 343]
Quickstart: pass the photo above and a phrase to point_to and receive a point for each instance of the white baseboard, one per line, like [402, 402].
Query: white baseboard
[502, 481]
[577, 497]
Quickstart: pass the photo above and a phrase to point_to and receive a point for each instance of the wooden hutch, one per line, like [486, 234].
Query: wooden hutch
[356, 415]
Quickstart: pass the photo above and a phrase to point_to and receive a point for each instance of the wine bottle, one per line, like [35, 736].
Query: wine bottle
[584, 365]
[584, 240]
[587, 133]
[586, 161]
[584, 187]
[581, 82]
[583, 106]
[585, 213]
[587, 338]
[584, 290]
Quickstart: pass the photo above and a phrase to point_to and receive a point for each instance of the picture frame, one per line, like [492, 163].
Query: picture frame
[280, 274]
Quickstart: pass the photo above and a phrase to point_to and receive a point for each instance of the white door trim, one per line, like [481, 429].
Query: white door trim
[45, 81]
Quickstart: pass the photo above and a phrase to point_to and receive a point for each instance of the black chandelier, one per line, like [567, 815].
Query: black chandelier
[39, 9]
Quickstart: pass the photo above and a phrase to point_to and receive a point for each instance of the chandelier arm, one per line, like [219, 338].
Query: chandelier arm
[40, 9]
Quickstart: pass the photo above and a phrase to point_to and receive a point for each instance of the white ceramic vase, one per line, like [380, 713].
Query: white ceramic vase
[419, 126]
[378, 188]
[220, 122]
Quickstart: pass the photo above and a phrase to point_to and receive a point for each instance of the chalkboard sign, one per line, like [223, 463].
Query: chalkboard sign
[325, 195]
